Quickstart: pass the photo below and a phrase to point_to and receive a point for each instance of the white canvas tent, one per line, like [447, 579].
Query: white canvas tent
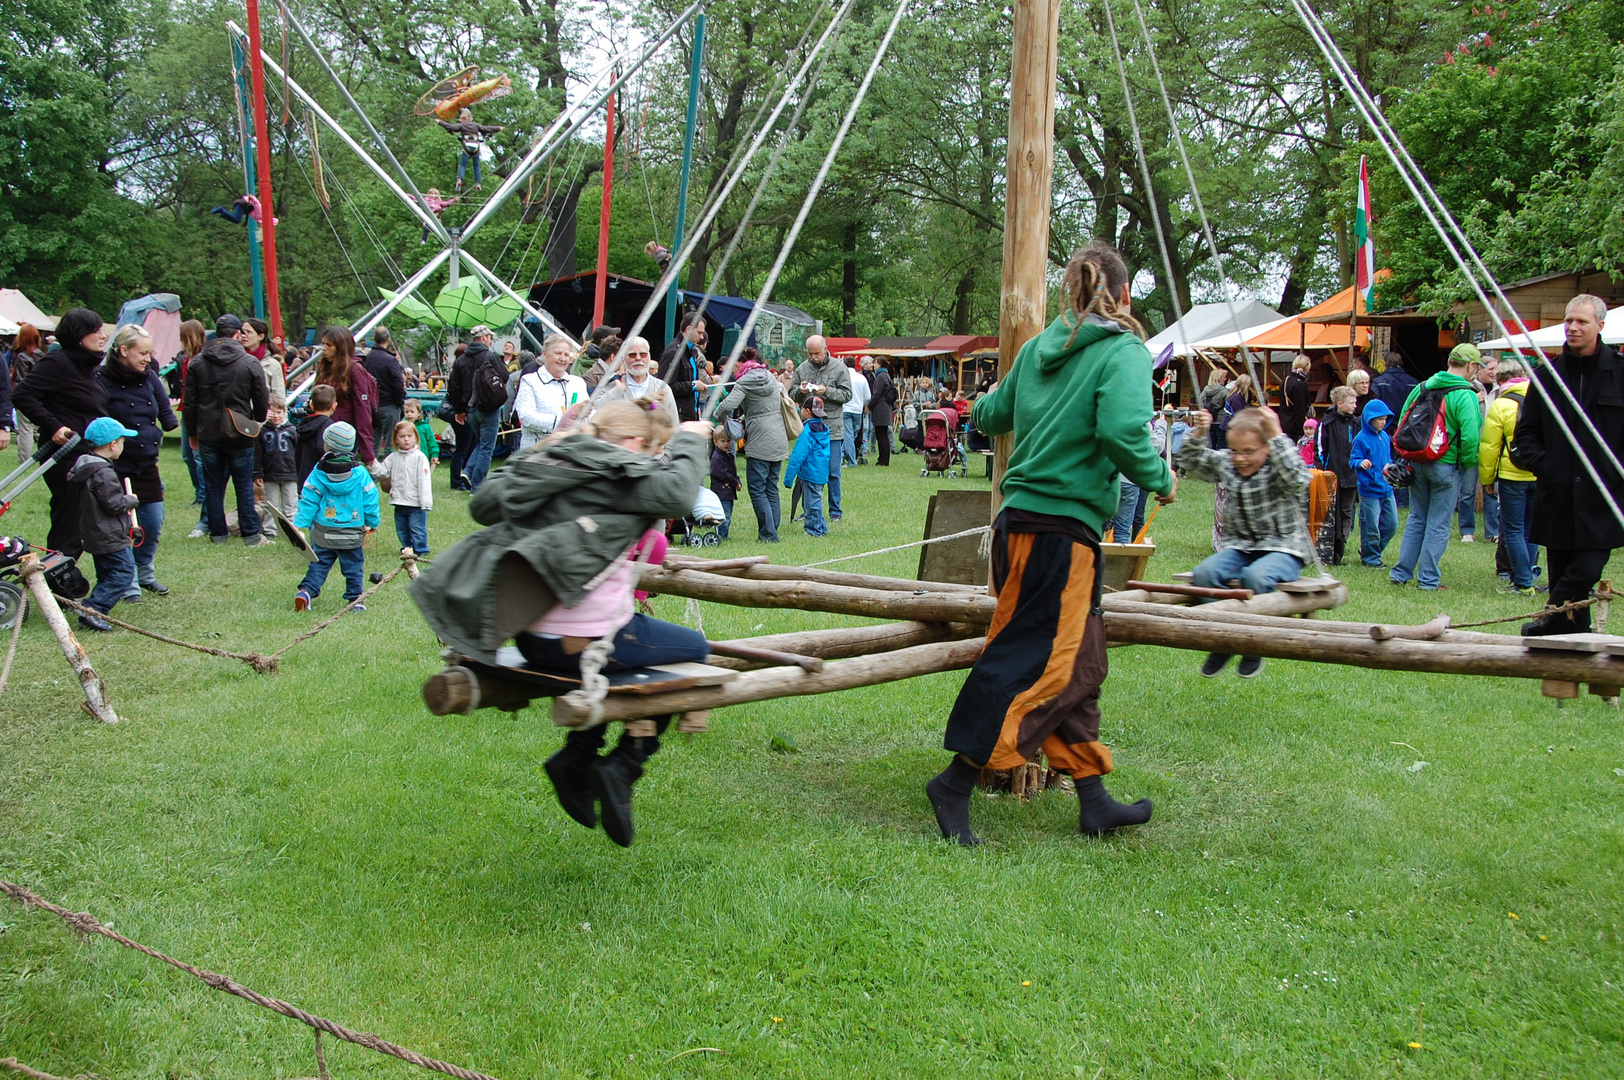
[17, 308]
[1232, 340]
[7, 327]
[1205, 321]
[1550, 338]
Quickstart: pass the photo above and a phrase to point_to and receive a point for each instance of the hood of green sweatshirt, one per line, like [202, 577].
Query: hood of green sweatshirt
[1059, 342]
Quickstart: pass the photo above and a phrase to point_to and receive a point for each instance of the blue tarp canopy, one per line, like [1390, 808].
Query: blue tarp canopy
[133, 311]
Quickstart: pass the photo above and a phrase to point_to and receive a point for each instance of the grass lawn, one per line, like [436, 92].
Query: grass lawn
[1306, 902]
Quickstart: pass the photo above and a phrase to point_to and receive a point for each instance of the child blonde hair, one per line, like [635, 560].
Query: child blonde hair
[1339, 394]
[412, 405]
[402, 427]
[1247, 420]
[620, 420]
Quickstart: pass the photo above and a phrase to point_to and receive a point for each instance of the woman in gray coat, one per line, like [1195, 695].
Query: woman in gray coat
[766, 444]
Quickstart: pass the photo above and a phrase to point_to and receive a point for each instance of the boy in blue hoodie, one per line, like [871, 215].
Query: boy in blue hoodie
[809, 463]
[1378, 509]
[339, 505]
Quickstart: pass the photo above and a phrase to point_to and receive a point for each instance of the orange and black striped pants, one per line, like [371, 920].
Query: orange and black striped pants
[1036, 685]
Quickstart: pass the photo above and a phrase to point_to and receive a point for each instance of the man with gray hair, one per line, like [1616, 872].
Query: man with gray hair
[637, 383]
[1569, 515]
[820, 375]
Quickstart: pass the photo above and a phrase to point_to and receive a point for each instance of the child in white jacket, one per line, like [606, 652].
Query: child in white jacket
[410, 489]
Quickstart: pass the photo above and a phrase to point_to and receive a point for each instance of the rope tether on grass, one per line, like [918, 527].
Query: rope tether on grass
[980, 530]
[11, 650]
[34, 1074]
[85, 923]
[260, 662]
[1559, 609]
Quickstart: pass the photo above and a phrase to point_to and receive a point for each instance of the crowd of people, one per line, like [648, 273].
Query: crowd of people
[624, 445]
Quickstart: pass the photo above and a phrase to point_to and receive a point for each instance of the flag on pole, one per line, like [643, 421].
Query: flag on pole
[1364, 259]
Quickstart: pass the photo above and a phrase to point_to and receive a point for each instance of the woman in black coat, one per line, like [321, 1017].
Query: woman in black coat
[61, 396]
[138, 399]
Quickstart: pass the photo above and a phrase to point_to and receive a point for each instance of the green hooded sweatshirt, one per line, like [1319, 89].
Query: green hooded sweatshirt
[1079, 407]
[1463, 418]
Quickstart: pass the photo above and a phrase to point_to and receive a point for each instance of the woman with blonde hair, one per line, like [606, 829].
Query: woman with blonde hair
[554, 570]
[138, 399]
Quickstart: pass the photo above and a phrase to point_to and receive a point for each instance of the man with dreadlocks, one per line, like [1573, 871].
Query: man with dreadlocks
[1075, 400]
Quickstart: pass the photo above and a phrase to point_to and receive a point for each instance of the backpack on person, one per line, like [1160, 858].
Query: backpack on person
[490, 385]
[1423, 431]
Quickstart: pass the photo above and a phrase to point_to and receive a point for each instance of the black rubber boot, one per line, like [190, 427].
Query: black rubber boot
[1098, 813]
[616, 772]
[572, 772]
[950, 792]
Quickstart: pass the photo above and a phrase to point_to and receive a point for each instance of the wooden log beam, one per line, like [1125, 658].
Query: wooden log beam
[738, 651]
[1184, 589]
[674, 561]
[1319, 646]
[848, 641]
[1223, 614]
[780, 682]
[769, 572]
[1429, 631]
[95, 703]
[963, 607]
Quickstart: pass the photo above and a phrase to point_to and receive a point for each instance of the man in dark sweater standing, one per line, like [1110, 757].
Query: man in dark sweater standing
[681, 363]
[1570, 516]
[385, 370]
[226, 402]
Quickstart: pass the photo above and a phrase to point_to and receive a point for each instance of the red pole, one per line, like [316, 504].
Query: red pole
[603, 214]
[262, 143]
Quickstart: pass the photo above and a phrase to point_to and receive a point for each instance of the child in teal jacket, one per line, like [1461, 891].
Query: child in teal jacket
[809, 463]
[339, 505]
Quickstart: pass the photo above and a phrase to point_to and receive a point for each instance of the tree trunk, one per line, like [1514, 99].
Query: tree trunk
[848, 281]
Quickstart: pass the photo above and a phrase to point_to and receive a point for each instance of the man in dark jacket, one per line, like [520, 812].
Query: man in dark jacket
[226, 401]
[385, 370]
[478, 396]
[1569, 515]
[1295, 397]
[820, 375]
[457, 385]
[681, 363]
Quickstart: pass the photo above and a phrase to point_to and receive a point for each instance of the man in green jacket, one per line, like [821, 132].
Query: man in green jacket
[1075, 401]
[1437, 483]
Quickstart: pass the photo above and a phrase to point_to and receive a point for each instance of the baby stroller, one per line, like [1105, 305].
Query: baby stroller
[941, 444]
[909, 434]
[699, 528]
[62, 574]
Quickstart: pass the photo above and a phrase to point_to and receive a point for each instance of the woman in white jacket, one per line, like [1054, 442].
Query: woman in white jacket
[550, 398]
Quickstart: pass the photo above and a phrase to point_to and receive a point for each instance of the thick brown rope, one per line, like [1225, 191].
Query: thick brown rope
[260, 662]
[1572, 605]
[16, 1066]
[85, 923]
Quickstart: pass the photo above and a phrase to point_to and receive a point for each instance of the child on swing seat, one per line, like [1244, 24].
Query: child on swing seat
[564, 524]
[1265, 539]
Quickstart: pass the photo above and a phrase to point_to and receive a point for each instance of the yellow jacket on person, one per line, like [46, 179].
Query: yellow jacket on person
[1494, 445]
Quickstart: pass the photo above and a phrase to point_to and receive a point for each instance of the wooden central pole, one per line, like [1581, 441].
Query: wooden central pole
[1023, 305]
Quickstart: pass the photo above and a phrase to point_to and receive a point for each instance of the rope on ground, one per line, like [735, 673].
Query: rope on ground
[16, 1066]
[85, 923]
[260, 662]
[981, 530]
[1572, 605]
[11, 650]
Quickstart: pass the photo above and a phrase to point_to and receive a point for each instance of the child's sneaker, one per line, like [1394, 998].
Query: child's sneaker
[301, 601]
[1249, 667]
[94, 622]
[358, 606]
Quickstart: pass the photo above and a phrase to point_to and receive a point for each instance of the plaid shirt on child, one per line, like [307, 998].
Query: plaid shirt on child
[1265, 511]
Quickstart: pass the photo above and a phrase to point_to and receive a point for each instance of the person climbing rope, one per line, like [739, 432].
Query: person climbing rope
[553, 571]
[1075, 400]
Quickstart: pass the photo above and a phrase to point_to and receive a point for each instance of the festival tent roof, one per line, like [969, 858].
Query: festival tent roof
[7, 327]
[1551, 338]
[20, 309]
[1232, 340]
[1307, 331]
[845, 346]
[1205, 320]
[964, 344]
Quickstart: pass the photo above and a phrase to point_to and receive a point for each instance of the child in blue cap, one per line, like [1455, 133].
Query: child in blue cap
[104, 517]
[339, 505]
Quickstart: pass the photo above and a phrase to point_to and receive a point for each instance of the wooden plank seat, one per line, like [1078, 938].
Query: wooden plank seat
[1301, 587]
[467, 684]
